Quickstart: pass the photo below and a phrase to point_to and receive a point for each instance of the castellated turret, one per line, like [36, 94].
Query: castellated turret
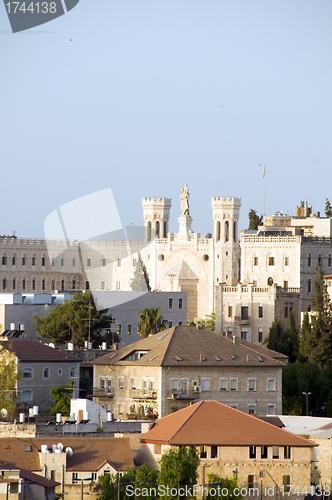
[156, 214]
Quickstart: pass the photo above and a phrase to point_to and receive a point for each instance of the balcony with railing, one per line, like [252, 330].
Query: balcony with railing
[143, 393]
[105, 392]
[183, 394]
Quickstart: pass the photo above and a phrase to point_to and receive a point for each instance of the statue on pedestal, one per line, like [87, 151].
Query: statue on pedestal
[185, 200]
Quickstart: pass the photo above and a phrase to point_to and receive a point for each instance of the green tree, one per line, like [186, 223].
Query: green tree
[74, 321]
[226, 485]
[283, 340]
[150, 322]
[210, 322]
[254, 220]
[140, 282]
[61, 396]
[9, 378]
[178, 468]
[107, 487]
[316, 336]
[143, 478]
[306, 377]
[328, 208]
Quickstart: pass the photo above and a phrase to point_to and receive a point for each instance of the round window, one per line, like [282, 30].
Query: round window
[205, 257]
[161, 257]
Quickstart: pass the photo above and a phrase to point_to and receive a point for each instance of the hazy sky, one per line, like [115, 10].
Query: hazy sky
[142, 96]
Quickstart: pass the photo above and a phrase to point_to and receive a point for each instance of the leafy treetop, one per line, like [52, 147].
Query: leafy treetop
[254, 220]
[150, 322]
[8, 380]
[74, 321]
[328, 208]
[140, 282]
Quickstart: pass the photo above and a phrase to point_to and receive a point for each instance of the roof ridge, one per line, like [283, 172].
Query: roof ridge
[188, 418]
[169, 340]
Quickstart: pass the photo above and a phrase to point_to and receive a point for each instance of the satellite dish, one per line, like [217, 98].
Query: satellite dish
[59, 446]
[69, 451]
[52, 345]
[4, 413]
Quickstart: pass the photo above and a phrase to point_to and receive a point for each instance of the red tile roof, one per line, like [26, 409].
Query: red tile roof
[213, 423]
[31, 350]
[89, 453]
[189, 346]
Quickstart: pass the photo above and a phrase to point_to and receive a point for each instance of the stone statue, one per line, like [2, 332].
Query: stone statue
[184, 200]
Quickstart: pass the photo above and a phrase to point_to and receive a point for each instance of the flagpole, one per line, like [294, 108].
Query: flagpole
[264, 190]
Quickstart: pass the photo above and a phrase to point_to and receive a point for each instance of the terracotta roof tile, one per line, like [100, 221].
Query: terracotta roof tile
[31, 350]
[89, 453]
[213, 423]
[189, 346]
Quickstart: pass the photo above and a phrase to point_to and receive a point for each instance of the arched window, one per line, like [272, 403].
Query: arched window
[254, 282]
[309, 285]
[27, 373]
[309, 308]
[24, 257]
[24, 284]
[72, 372]
[53, 284]
[88, 261]
[103, 261]
[14, 258]
[26, 395]
[165, 228]
[46, 373]
[73, 282]
[102, 284]
[62, 284]
[309, 260]
[285, 283]
[286, 260]
[43, 260]
[157, 229]
[33, 284]
[255, 260]
[43, 284]
[14, 283]
[4, 283]
[118, 285]
[319, 259]
[33, 260]
[329, 260]
[226, 231]
[234, 230]
[270, 281]
[4, 259]
[271, 261]
[218, 230]
[149, 231]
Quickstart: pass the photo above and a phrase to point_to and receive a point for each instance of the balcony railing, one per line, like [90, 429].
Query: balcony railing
[106, 392]
[242, 321]
[183, 394]
[143, 393]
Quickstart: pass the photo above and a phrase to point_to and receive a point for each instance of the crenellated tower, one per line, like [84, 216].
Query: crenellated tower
[156, 214]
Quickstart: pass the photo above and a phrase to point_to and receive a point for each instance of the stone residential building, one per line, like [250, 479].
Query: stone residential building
[42, 368]
[230, 442]
[20, 484]
[174, 368]
[68, 461]
[248, 312]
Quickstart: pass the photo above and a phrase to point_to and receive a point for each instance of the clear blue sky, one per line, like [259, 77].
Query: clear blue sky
[127, 95]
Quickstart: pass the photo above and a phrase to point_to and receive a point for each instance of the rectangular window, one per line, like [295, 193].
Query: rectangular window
[14, 284]
[286, 261]
[260, 311]
[180, 303]
[73, 285]
[133, 383]
[121, 382]
[175, 384]
[102, 285]
[129, 329]
[53, 475]
[151, 384]
[233, 384]
[223, 384]
[53, 261]
[271, 385]
[33, 284]
[109, 385]
[94, 476]
[286, 483]
[244, 335]
[287, 452]
[23, 261]
[74, 478]
[203, 452]
[33, 261]
[286, 311]
[230, 311]
[251, 384]
[205, 385]
[252, 451]
[170, 324]
[102, 383]
[119, 262]
[87, 285]
[260, 336]
[23, 284]
[43, 285]
[256, 260]
[251, 410]
[62, 285]
[214, 451]
[13, 487]
[271, 410]
[14, 260]
[275, 452]
[157, 449]
[103, 262]
[271, 261]
[74, 262]
[62, 261]
[244, 313]
[263, 451]
[43, 261]
[88, 262]
[170, 303]
[53, 284]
